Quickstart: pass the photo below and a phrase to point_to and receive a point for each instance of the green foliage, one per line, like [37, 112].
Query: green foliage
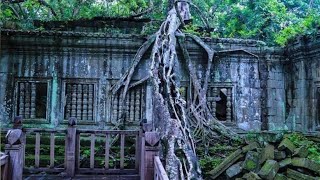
[211, 157]
[273, 21]
[191, 29]
[308, 25]
[208, 163]
[314, 148]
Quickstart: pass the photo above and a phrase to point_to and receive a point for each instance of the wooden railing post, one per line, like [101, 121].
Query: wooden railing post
[14, 148]
[71, 147]
[151, 149]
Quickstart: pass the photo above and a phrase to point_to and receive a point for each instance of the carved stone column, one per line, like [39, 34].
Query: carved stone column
[228, 118]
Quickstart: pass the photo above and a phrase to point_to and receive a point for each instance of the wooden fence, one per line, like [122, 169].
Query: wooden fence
[106, 134]
[132, 147]
[52, 133]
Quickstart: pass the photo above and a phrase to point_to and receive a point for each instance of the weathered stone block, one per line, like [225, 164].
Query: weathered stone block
[234, 169]
[301, 152]
[299, 176]
[286, 144]
[251, 176]
[306, 163]
[250, 146]
[271, 137]
[269, 169]
[280, 177]
[285, 162]
[232, 158]
[267, 153]
[278, 155]
[251, 162]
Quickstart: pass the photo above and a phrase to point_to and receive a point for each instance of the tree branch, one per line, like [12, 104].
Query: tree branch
[141, 13]
[44, 3]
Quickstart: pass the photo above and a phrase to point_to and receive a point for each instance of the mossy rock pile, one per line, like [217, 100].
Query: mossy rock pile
[272, 156]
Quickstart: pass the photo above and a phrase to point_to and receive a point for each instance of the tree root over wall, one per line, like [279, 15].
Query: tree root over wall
[180, 127]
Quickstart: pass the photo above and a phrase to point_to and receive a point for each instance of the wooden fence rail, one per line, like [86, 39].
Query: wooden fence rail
[159, 171]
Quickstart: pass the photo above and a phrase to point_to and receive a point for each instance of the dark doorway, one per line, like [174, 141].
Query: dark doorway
[41, 100]
[221, 111]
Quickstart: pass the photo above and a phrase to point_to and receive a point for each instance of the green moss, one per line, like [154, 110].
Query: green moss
[210, 157]
[300, 140]
[208, 163]
[250, 164]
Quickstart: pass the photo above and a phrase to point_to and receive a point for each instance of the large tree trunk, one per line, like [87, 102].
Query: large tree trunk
[181, 159]
[172, 118]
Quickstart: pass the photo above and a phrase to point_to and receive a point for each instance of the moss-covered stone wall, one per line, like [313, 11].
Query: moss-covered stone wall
[272, 88]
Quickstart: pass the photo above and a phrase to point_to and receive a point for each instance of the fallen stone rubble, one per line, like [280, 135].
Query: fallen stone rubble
[273, 158]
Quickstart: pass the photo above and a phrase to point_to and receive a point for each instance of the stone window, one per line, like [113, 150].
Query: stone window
[32, 99]
[219, 99]
[80, 100]
[134, 106]
[220, 102]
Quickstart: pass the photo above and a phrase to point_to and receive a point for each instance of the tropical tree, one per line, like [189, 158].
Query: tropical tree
[270, 20]
[174, 120]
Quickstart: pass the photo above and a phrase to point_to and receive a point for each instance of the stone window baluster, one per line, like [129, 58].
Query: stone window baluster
[137, 104]
[210, 98]
[228, 116]
[79, 101]
[132, 101]
[143, 103]
[68, 101]
[27, 101]
[33, 101]
[21, 95]
[214, 104]
[85, 103]
[90, 102]
[74, 101]
[127, 107]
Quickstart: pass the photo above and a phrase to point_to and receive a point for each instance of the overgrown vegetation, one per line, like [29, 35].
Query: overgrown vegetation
[273, 21]
[211, 157]
[313, 147]
[181, 126]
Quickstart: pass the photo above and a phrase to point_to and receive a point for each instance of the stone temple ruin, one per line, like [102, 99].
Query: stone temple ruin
[67, 71]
